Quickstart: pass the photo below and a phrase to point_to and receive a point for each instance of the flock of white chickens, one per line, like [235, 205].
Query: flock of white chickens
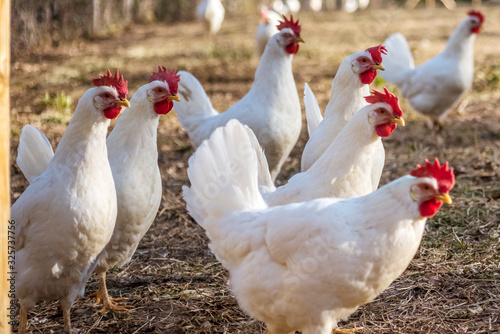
[278, 244]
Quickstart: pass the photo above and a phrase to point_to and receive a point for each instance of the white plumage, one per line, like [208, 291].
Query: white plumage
[315, 5]
[280, 7]
[67, 214]
[271, 108]
[211, 13]
[302, 266]
[33, 161]
[313, 112]
[133, 156]
[267, 28]
[436, 86]
[345, 168]
[347, 97]
[293, 6]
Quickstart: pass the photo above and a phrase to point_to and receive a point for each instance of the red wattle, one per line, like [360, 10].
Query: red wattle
[163, 107]
[112, 112]
[368, 77]
[385, 130]
[430, 207]
[292, 48]
[475, 30]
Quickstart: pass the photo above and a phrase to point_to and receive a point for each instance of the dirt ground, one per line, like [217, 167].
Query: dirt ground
[175, 284]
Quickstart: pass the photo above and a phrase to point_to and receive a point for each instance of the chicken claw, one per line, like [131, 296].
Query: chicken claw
[109, 303]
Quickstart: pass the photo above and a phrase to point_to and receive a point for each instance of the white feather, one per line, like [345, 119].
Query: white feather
[271, 108]
[346, 168]
[313, 113]
[211, 13]
[315, 5]
[223, 174]
[398, 59]
[267, 28]
[67, 214]
[33, 153]
[346, 97]
[133, 156]
[301, 266]
[434, 87]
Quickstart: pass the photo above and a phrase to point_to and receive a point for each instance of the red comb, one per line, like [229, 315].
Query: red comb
[477, 14]
[388, 98]
[169, 77]
[114, 81]
[443, 175]
[376, 53]
[295, 26]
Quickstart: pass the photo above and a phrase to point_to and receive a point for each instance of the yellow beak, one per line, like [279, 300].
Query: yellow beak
[299, 40]
[444, 198]
[378, 67]
[174, 98]
[123, 103]
[399, 121]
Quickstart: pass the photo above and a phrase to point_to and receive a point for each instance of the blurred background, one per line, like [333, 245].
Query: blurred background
[49, 22]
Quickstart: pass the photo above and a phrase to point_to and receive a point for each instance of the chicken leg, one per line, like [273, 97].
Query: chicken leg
[102, 297]
[66, 316]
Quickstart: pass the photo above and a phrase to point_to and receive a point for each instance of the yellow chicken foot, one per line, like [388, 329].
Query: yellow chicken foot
[67, 320]
[102, 297]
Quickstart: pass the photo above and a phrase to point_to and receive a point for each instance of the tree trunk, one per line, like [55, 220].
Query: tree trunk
[97, 19]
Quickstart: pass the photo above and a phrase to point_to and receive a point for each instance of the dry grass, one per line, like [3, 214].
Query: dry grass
[175, 283]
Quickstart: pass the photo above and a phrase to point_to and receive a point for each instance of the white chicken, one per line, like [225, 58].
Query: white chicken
[350, 6]
[315, 5]
[345, 169]
[267, 28]
[133, 156]
[293, 6]
[349, 87]
[271, 108]
[286, 7]
[437, 85]
[211, 14]
[305, 266]
[67, 214]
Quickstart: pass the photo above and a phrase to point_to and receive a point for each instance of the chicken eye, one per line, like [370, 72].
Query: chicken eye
[107, 95]
[159, 90]
[381, 111]
[426, 187]
[363, 60]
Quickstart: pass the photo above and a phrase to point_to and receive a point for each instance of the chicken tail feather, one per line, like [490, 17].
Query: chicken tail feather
[194, 102]
[33, 153]
[224, 174]
[313, 113]
[397, 60]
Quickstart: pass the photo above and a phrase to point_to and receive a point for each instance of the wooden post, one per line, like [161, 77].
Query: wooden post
[4, 161]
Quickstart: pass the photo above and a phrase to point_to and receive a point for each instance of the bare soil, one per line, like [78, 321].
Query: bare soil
[175, 284]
